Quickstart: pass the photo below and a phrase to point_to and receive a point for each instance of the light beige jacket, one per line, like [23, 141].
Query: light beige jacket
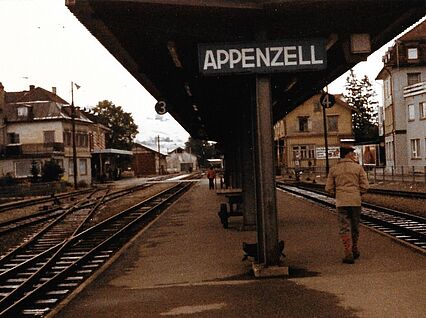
[347, 180]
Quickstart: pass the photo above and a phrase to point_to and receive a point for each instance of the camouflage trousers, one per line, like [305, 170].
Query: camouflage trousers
[348, 217]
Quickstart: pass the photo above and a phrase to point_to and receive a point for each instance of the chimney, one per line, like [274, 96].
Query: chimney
[32, 87]
[54, 90]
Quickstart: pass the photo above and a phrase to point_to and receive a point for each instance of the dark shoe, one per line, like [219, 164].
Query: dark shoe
[349, 259]
[356, 254]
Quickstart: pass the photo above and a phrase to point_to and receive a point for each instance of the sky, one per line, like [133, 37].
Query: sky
[43, 44]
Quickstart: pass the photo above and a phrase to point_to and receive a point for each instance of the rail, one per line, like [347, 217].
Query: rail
[404, 227]
[414, 174]
[58, 266]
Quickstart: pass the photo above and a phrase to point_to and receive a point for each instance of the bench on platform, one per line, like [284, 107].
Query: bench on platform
[235, 197]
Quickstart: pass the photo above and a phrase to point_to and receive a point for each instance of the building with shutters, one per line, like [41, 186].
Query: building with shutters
[403, 113]
[299, 135]
[36, 125]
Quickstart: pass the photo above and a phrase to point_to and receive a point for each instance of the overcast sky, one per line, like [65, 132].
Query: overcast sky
[43, 44]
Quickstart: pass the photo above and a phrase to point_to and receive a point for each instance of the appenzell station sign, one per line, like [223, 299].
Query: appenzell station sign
[269, 57]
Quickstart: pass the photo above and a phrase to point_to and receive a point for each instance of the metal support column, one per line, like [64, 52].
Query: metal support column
[267, 221]
[248, 176]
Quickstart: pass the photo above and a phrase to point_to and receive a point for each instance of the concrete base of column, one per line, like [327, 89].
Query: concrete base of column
[260, 270]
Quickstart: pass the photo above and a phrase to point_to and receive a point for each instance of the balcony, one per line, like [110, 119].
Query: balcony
[415, 89]
[31, 150]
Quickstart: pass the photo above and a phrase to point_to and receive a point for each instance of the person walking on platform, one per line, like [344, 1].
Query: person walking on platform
[347, 181]
[211, 175]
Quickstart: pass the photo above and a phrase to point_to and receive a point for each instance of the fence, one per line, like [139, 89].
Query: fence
[375, 174]
[396, 174]
[32, 189]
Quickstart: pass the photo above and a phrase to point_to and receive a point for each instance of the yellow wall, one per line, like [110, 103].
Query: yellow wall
[288, 130]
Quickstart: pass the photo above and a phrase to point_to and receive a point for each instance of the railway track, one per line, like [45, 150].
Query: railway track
[395, 193]
[402, 226]
[24, 203]
[37, 276]
[54, 211]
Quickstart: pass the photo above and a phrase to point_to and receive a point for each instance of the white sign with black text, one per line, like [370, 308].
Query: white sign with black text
[333, 153]
[281, 56]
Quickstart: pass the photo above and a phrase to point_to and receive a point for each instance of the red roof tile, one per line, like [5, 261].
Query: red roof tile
[34, 95]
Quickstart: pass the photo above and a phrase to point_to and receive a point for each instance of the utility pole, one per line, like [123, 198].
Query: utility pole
[324, 117]
[158, 148]
[74, 151]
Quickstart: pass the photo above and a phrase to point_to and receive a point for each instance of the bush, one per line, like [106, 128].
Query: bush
[7, 180]
[51, 171]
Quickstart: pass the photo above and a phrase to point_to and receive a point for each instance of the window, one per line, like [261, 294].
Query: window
[415, 148]
[82, 167]
[412, 53]
[411, 114]
[387, 88]
[301, 152]
[67, 138]
[413, 78]
[332, 123]
[23, 168]
[304, 123]
[422, 110]
[389, 150]
[317, 107]
[49, 136]
[13, 138]
[22, 111]
[71, 167]
[82, 139]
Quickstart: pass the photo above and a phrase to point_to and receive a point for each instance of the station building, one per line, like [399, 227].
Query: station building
[179, 160]
[147, 161]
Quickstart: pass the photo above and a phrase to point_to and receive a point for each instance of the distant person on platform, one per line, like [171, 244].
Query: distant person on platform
[347, 181]
[211, 175]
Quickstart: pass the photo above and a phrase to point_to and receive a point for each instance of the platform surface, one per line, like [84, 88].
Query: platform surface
[187, 265]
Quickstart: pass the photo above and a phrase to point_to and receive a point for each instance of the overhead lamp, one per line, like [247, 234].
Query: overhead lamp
[188, 89]
[171, 46]
[195, 107]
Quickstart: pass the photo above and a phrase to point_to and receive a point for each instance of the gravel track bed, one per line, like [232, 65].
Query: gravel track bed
[13, 239]
[414, 206]
[408, 205]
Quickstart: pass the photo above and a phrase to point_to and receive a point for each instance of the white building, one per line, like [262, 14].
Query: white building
[404, 96]
[179, 160]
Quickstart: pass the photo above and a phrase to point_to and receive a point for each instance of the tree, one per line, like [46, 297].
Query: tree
[51, 171]
[361, 97]
[35, 171]
[202, 149]
[123, 128]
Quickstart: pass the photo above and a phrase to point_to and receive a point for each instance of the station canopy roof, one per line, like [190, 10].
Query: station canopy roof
[157, 42]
